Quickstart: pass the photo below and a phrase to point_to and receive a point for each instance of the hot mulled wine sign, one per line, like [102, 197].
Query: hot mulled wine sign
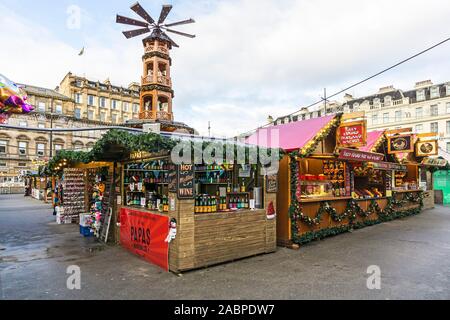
[352, 134]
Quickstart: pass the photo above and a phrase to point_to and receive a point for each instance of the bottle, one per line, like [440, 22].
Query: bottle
[230, 205]
[229, 187]
[197, 205]
[246, 204]
[243, 186]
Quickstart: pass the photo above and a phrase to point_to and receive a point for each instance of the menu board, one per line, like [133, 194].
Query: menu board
[185, 181]
[352, 134]
[272, 184]
[400, 144]
[427, 148]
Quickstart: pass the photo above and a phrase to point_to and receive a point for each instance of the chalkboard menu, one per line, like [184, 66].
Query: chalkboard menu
[272, 184]
[173, 180]
[186, 181]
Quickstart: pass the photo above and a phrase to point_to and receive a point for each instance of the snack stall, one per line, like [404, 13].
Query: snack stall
[200, 215]
[336, 177]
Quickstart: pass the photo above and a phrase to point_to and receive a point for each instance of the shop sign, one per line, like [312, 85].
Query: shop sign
[434, 162]
[356, 155]
[389, 166]
[145, 234]
[427, 148]
[352, 134]
[272, 184]
[400, 144]
[185, 184]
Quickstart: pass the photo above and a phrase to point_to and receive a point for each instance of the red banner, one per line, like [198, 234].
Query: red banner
[355, 155]
[145, 234]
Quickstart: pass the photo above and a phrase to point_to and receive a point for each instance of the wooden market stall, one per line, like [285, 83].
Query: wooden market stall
[217, 213]
[336, 177]
[179, 217]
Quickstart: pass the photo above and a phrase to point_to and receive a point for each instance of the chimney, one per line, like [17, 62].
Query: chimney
[423, 84]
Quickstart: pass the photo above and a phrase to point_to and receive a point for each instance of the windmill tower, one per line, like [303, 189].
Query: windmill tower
[156, 90]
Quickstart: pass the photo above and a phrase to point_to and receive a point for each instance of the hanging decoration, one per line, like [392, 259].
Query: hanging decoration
[12, 99]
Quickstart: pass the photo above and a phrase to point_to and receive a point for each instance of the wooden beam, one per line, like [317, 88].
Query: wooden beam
[404, 130]
[353, 115]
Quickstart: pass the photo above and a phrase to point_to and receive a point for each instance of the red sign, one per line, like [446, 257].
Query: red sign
[352, 134]
[145, 234]
[355, 155]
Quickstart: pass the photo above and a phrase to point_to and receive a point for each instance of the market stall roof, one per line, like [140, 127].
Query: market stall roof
[291, 136]
[374, 138]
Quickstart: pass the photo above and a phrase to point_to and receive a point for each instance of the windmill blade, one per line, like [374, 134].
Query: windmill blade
[135, 33]
[173, 42]
[179, 23]
[164, 13]
[132, 22]
[180, 33]
[142, 13]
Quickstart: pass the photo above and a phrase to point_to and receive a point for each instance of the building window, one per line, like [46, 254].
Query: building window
[114, 118]
[419, 128]
[375, 118]
[3, 146]
[78, 113]
[2, 164]
[135, 108]
[78, 98]
[23, 124]
[434, 127]
[434, 111]
[40, 149]
[91, 100]
[41, 106]
[387, 101]
[41, 125]
[22, 164]
[58, 147]
[448, 127]
[125, 106]
[23, 146]
[125, 119]
[398, 116]
[434, 92]
[420, 95]
[91, 115]
[447, 108]
[102, 102]
[419, 112]
[385, 117]
[103, 116]
[59, 109]
[114, 104]
[448, 147]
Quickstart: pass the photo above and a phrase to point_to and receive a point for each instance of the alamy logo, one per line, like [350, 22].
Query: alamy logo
[374, 280]
[74, 280]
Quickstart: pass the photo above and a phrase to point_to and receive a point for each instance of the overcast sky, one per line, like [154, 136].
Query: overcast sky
[251, 58]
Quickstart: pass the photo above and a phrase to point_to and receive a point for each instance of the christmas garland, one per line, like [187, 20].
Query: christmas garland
[351, 212]
[152, 143]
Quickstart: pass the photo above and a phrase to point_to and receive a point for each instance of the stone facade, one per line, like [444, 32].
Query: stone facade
[101, 101]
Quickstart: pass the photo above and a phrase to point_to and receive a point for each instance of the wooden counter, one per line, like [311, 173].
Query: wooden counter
[207, 239]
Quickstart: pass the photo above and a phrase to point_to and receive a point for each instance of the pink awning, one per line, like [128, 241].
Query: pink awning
[372, 139]
[291, 136]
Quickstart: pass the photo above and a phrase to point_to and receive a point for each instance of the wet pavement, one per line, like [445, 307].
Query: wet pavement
[413, 255]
